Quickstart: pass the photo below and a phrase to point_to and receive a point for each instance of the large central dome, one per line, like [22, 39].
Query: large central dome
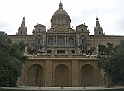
[60, 10]
[60, 17]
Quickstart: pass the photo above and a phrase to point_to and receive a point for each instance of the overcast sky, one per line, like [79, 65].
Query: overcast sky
[109, 12]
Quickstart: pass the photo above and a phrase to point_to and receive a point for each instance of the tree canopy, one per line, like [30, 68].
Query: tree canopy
[11, 60]
[114, 64]
[105, 50]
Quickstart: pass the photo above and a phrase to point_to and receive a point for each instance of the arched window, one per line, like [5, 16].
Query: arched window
[82, 30]
[50, 41]
[39, 30]
[71, 41]
[60, 41]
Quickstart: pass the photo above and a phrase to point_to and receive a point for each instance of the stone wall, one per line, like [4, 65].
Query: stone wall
[72, 72]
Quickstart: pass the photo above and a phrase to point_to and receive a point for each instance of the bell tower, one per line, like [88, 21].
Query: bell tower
[23, 29]
[98, 30]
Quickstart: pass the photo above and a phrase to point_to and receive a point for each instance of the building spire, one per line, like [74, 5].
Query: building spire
[98, 30]
[23, 18]
[60, 5]
[97, 18]
[23, 29]
[23, 22]
[97, 22]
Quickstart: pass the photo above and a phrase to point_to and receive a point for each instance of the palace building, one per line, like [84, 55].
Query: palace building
[60, 53]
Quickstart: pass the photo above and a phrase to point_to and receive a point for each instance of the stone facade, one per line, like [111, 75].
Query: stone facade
[58, 59]
[61, 72]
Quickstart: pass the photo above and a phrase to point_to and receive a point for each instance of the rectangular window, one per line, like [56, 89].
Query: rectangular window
[73, 51]
[60, 51]
[49, 51]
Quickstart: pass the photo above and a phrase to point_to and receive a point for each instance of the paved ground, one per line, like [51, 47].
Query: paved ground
[60, 88]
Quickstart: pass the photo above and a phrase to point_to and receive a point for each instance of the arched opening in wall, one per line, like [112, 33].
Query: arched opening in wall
[61, 41]
[87, 75]
[71, 41]
[61, 76]
[50, 41]
[35, 75]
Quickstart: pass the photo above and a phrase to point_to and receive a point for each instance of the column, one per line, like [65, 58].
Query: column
[47, 40]
[56, 40]
[74, 40]
[65, 40]
[26, 73]
[48, 73]
[75, 71]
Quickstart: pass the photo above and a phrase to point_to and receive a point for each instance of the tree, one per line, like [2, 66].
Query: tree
[22, 45]
[101, 49]
[11, 60]
[109, 49]
[114, 64]
[30, 51]
[117, 64]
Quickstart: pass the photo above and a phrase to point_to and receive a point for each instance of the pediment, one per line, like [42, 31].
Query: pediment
[63, 29]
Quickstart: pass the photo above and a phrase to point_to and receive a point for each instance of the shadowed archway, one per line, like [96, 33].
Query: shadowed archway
[87, 75]
[35, 75]
[61, 76]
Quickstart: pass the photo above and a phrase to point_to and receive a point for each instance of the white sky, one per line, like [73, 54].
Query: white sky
[109, 12]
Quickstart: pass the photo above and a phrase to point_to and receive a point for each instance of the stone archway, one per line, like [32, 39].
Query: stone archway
[35, 75]
[87, 75]
[61, 76]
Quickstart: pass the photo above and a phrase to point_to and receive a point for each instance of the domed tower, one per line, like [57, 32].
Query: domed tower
[60, 36]
[60, 17]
